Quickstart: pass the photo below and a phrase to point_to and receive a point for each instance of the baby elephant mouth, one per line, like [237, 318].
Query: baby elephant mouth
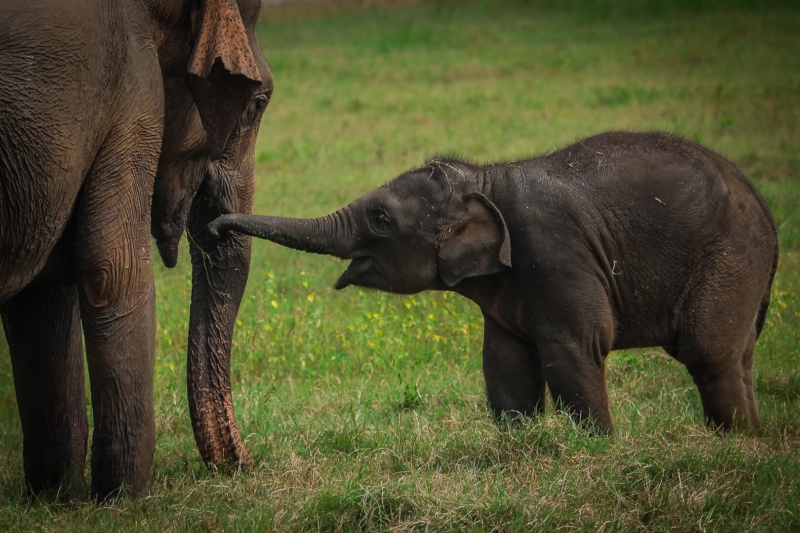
[358, 268]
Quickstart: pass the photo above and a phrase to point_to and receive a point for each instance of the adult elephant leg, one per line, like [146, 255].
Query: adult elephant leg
[118, 312]
[115, 278]
[514, 382]
[219, 276]
[42, 325]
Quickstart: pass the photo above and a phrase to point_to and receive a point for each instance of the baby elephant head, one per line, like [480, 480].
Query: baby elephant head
[426, 229]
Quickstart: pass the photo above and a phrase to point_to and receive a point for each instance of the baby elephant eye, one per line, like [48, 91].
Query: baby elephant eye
[379, 221]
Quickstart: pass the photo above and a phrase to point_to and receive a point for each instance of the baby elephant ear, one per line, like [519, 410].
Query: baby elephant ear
[222, 72]
[478, 245]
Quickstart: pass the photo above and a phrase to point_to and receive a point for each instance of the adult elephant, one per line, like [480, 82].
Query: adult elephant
[118, 120]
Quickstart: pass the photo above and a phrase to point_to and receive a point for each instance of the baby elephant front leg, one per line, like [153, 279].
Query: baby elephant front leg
[514, 383]
[576, 378]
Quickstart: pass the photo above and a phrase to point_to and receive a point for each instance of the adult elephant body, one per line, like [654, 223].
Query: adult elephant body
[119, 120]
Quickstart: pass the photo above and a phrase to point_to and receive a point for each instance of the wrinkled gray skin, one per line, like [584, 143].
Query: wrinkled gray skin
[118, 120]
[623, 240]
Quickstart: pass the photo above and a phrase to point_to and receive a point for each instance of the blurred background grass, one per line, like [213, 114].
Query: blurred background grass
[365, 411]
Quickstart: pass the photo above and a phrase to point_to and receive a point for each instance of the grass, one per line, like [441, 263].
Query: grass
[365, 411]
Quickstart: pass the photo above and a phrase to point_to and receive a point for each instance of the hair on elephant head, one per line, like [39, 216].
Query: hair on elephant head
[158, 108]
[623, 240]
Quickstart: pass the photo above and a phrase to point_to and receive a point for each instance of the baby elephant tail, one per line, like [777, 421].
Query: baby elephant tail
[761, 317]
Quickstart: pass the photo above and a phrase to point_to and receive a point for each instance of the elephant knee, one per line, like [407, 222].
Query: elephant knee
[102, 285]
[114, 284]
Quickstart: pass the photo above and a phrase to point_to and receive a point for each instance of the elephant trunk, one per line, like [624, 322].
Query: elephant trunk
[219, 274]
[332, 234]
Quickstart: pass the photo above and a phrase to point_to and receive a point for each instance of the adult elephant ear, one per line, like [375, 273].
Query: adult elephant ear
[222, 73]
[478, 245]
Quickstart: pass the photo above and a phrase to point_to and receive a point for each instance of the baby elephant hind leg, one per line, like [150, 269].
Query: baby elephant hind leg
[715, 342]
[514, 382]
[724, 378]
[747, 378]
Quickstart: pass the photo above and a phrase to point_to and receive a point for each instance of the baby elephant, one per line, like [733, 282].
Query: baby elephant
[623, 240]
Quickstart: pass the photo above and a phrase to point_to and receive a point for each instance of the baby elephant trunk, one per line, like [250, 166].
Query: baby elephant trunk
[328, 235]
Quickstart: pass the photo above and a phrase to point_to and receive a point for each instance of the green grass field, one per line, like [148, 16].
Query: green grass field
[365, 411]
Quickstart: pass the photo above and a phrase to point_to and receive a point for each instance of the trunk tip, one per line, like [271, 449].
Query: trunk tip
[216, 226]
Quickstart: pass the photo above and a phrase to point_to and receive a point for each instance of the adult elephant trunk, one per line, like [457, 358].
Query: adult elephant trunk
[219, 274]
[333, 234]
